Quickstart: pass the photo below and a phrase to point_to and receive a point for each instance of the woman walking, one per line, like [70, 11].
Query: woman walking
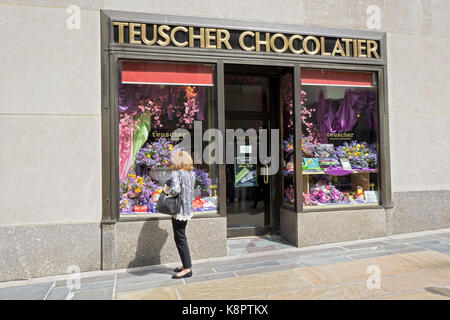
[182, 183]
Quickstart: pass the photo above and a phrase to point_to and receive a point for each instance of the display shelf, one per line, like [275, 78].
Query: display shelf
[358, 178]
[163, 216]
[353, 172]
[341, 206]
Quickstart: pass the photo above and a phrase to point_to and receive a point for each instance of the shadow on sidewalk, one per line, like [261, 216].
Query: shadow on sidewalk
[148, 252]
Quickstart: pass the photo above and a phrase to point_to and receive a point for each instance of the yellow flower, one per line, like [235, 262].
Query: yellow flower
[348, 150]
[363, 147]
[358, 146]
[166, 161]
[159, 190]
[138, 190]
[132, 176]
[148, 155]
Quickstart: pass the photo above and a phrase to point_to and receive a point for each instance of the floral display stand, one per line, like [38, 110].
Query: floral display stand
[160, 174]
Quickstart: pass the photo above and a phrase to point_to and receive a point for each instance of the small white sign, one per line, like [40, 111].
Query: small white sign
[246, 149]
[371, 196]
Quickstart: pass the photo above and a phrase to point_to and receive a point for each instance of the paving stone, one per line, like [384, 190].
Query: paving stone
[261, 249]
[210, 277]
[434, 245]
[313, 260]
[241, 260]
[246, 266]
[267, 269]
[196, 279]
[96, 285]
[446, 235]
[397, 246]
[95, 294]
[244, 240]
[167, 293]
[265, 243]
[237, 252]
[407, 250]
[243, 287]
[87, 280]
[371, 255]
[412, 239]
[28, 292]
[136, 286]
[347, 252]
[294, 260]
[144, 277]
[427, 243]
[241, 245]
[202, 271]
[218, 276]
[58, 293]
[323, 261]
[315, 251]
[444, 250]
[445, 241]
[366, 245]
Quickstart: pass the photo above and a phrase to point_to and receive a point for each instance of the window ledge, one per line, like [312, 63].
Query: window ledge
[162, 216]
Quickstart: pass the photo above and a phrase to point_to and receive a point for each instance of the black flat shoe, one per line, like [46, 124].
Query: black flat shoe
[187, 275]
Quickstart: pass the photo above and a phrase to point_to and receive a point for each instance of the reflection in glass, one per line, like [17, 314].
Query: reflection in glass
[151, 106]
[340, 150]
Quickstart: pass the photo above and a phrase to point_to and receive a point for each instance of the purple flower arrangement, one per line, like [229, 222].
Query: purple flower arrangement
[289, 195]
[156, 154]
[326, 194]
[185, 112]
[309, 200]
[288, 144]
[135, 190]
[360, 154]
[202, 181]
[308, 145]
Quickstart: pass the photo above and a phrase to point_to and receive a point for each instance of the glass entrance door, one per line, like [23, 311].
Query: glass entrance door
[249, 186]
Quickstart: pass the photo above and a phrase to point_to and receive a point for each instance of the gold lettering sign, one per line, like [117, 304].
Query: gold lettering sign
[250, 41]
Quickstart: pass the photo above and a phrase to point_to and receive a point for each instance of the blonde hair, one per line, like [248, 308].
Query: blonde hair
[182, 161]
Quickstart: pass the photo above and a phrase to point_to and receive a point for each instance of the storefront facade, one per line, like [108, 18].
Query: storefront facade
[318, 98]
[248, 76]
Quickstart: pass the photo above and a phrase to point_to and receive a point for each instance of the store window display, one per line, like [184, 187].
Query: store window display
[288, 174]
[155, 99]
[340, 138]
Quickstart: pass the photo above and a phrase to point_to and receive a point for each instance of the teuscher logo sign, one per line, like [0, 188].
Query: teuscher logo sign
[251, 41]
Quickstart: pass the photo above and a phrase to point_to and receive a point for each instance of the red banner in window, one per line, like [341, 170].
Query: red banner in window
[166, 74]
[336, 78]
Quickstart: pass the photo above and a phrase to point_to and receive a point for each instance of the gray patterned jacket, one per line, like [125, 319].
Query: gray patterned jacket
[183, 184]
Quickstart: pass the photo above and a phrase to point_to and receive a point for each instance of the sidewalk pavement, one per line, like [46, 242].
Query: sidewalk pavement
[412, 266]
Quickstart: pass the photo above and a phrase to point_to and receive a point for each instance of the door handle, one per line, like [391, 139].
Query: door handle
[266, 174]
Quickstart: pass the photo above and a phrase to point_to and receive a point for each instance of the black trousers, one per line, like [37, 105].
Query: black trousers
[179, 232]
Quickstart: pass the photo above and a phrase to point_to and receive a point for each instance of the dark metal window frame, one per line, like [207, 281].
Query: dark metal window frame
[112, 53]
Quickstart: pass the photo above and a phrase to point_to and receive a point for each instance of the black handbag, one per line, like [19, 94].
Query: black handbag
[169, 204]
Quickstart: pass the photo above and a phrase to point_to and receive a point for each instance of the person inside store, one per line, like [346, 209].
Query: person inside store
[182, 181]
